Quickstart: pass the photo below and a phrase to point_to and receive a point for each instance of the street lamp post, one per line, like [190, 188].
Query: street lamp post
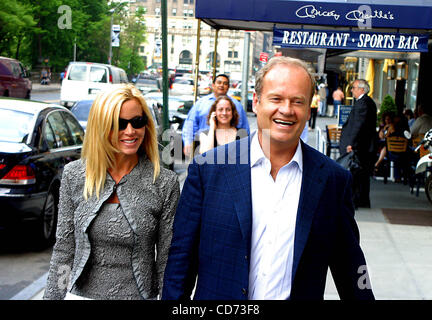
[111, 33]
[110, 43]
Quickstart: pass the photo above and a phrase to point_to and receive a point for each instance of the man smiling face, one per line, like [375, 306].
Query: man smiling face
[220, 86]
[283, 107]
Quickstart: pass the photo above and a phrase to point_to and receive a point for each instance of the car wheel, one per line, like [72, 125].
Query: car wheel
[48, 221]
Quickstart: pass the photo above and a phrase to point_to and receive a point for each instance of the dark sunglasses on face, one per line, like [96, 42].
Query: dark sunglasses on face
[136, 122]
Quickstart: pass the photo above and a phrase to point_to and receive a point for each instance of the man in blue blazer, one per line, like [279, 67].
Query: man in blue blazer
[266, 216]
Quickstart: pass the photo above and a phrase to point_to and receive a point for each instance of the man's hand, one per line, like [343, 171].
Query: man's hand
[187, 150]
[349, 149]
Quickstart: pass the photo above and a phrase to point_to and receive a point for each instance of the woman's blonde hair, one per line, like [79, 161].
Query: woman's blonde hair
[101, 138]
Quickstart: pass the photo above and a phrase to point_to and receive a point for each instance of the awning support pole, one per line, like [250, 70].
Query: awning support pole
[245, 73]
[197, 57]
[215, 53]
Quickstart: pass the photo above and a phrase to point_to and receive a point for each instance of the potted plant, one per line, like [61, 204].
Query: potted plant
[388, 105]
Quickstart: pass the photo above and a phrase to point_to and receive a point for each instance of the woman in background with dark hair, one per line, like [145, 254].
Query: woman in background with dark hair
[223, 119]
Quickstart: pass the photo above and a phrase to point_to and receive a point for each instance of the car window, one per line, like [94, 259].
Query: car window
[15, 126]
[60, 129]
[49, 137]
[23, 70]
[75, 128]
[77, 73]
[98, 74]
[5, 68]
[16, 70]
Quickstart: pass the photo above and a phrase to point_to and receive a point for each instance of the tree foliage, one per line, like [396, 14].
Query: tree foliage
[133, 36]
[34, 32]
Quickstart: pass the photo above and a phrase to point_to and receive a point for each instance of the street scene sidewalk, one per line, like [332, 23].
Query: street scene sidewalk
[37, 87]
[395, 235]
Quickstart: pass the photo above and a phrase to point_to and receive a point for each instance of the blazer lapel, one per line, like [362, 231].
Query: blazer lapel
[313, 182]
[238, 177]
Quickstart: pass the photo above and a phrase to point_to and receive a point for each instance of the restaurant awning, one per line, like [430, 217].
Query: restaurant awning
[264, 15]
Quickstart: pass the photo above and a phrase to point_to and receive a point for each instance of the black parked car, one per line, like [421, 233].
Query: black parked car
[36, 141]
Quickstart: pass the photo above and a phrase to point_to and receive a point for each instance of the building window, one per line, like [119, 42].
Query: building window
[141, 49]
[191, 13]
[157, 11]
[174, 11]
[232, 54]
[185, 57]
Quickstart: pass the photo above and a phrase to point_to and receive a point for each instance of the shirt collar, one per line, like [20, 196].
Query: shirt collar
[257, 154]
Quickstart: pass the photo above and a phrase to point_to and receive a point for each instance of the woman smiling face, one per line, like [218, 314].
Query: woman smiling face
[223, 112]
[130, 139]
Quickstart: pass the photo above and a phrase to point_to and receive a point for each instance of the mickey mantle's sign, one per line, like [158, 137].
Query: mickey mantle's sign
[359, 14]
[301, 38]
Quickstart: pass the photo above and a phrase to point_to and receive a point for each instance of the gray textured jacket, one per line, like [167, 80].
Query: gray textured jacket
[149, 208]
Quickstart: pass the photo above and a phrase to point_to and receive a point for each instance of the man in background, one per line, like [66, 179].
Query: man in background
[196, 120]
[359, 135]
[423, 122]
[338, 97]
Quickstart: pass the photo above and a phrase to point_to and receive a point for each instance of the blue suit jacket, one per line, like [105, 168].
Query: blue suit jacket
[213, 223]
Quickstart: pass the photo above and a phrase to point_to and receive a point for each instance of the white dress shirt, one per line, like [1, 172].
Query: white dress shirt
[274, 212]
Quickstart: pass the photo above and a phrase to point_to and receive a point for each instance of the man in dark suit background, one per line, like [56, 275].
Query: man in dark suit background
[265, 217]
[359, 135]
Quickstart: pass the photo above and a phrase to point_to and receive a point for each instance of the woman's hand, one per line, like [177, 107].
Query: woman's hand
[213, 121]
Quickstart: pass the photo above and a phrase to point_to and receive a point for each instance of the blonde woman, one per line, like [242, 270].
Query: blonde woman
[223, 119]
[116, 207]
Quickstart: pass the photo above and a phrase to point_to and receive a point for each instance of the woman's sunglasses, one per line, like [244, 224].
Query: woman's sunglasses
[136, 122]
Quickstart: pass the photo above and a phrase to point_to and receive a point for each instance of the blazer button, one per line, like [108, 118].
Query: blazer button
[244, 291]
[246, 257]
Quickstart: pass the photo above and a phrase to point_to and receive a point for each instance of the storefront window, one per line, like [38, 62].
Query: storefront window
[413, 71]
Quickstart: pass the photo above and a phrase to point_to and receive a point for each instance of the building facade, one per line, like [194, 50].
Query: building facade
[182, 40]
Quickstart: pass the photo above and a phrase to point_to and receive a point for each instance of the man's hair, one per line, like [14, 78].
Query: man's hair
[221, 75]
[363, 84]
[101, 138]
[235, 116]
[259, 77]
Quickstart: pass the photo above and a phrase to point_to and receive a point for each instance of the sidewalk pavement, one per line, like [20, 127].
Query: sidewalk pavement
[37, 87]
[395, 235]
